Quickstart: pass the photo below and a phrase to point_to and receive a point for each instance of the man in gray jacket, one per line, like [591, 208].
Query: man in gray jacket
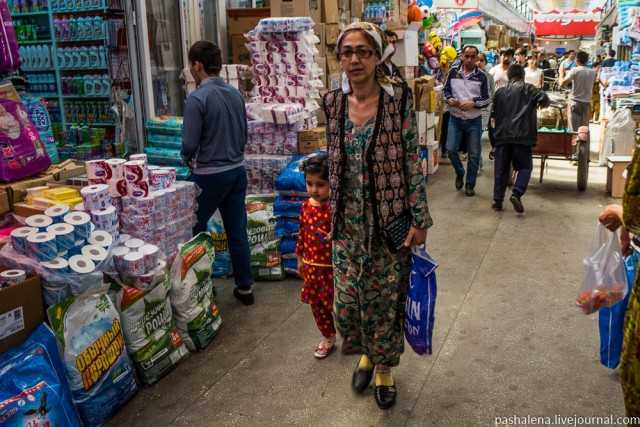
[214, 135]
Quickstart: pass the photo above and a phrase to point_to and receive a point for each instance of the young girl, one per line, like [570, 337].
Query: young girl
[314, 251]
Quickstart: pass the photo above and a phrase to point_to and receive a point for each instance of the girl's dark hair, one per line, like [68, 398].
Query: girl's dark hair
[316, 165]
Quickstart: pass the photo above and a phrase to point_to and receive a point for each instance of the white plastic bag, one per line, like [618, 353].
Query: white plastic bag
[605, 280]
[619, 137]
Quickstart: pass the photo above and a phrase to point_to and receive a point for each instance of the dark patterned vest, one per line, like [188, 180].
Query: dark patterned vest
[385, 157]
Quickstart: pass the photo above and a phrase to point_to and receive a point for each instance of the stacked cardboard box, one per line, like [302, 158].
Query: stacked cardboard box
[242, 21]
[424, 98]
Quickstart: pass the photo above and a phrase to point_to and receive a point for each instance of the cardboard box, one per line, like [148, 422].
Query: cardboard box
[21, 312]
[17, 191]
[357, 8]
[241, 54]
[320, 31]
[5, 207]
[407, 47]
[25, 210]
[345, 16]
[433, 102]
[421, 88]
[332, 31]
[421, 120]
[241, 21]
[333, 65]
[433, 160]
[330, 12]
[343, 4]
[403, 14]
[292, 8]
[310, 141]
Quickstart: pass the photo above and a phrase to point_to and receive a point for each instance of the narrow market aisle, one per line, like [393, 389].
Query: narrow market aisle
[507, 342]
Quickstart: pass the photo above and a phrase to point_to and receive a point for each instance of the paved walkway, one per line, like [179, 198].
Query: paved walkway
[508, 339]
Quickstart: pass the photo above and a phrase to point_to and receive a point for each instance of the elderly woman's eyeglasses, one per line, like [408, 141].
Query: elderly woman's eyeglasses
[360, 53]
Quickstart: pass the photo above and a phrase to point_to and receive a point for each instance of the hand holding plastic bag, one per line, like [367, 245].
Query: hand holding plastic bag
[605, 281]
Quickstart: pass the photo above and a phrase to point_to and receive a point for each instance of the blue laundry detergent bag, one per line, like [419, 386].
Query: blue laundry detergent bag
[34, 390]
[421, 300]
[91, 343]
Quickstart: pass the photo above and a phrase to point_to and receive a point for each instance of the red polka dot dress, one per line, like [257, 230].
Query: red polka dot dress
[315, 250]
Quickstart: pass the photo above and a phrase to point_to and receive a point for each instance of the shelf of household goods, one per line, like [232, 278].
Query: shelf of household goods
[35, 41]
[36, 70]
[95, 39]
[86, 96]
[74, 11]
[97, 124]
[29, 14]
[84, 69]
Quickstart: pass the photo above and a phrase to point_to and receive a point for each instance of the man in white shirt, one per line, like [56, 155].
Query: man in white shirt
[499, 72]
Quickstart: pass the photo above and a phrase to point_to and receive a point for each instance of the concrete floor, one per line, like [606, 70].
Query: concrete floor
[508, 340]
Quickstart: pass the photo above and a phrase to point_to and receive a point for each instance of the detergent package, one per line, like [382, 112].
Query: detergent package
[23, 153]
[92, 346]
[150, 332]
[195, 310]
[34, 390]
[222, 264]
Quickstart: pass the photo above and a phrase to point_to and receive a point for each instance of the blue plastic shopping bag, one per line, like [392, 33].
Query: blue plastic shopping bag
[421, 301]
[611, 320]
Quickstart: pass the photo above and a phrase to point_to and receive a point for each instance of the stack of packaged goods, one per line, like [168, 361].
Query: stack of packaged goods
[164, 136]
[65, 248]
[284, 99]
[292, 192]
[238, 76]
[141, 296]
[44, 197]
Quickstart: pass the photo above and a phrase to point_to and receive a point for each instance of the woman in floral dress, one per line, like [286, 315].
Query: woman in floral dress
[375, 178]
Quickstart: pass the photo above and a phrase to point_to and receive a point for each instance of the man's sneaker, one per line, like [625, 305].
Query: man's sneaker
[470, 192]
[459, 181]
[516, 202]
[496, 206]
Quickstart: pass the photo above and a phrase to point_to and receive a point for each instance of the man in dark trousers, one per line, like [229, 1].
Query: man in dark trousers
[467, 93]
[516, 131]
[214, 135]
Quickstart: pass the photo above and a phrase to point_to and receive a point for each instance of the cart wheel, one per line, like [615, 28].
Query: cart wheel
[583, 165]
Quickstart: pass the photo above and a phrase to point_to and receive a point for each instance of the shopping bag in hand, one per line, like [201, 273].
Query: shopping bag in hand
[605, 279]
[611, 320]
[421, 302]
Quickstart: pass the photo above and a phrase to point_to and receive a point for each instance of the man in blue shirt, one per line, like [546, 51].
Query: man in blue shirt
[567, 64]
[214, 135]
[467, 94]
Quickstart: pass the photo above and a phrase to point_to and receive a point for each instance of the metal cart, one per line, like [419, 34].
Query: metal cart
[561, 146]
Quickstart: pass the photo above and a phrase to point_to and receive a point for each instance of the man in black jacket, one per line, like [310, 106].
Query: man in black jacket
[516, 131]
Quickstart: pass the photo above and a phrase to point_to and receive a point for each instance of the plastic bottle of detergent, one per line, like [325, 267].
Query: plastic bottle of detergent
[94, 57]
[97, 27]
[46, 58]
[88, 28]
[89, 85]
[78, 4]
[106, 85]
[23, 54]
[57, 27]
[95, 4]
[84, 58]
[64, 22]
[103, 57]
[75, 58]
[73, 29]
[80, 28]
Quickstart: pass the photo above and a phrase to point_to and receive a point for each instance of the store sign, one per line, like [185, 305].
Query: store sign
[456, 4]
[573, 23]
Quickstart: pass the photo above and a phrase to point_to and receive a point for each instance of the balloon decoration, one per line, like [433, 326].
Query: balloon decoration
[434, 39]
[467, 19]
[415, 14]
[448, 55]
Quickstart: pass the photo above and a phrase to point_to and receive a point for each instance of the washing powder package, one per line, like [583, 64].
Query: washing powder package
[91, 342]
[222, 263]
[34, 390]
[197, 315]
[149, 329]
[291, 181]
[266, 259]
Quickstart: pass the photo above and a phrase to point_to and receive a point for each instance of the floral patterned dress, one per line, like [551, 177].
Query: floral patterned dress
[370, 282]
